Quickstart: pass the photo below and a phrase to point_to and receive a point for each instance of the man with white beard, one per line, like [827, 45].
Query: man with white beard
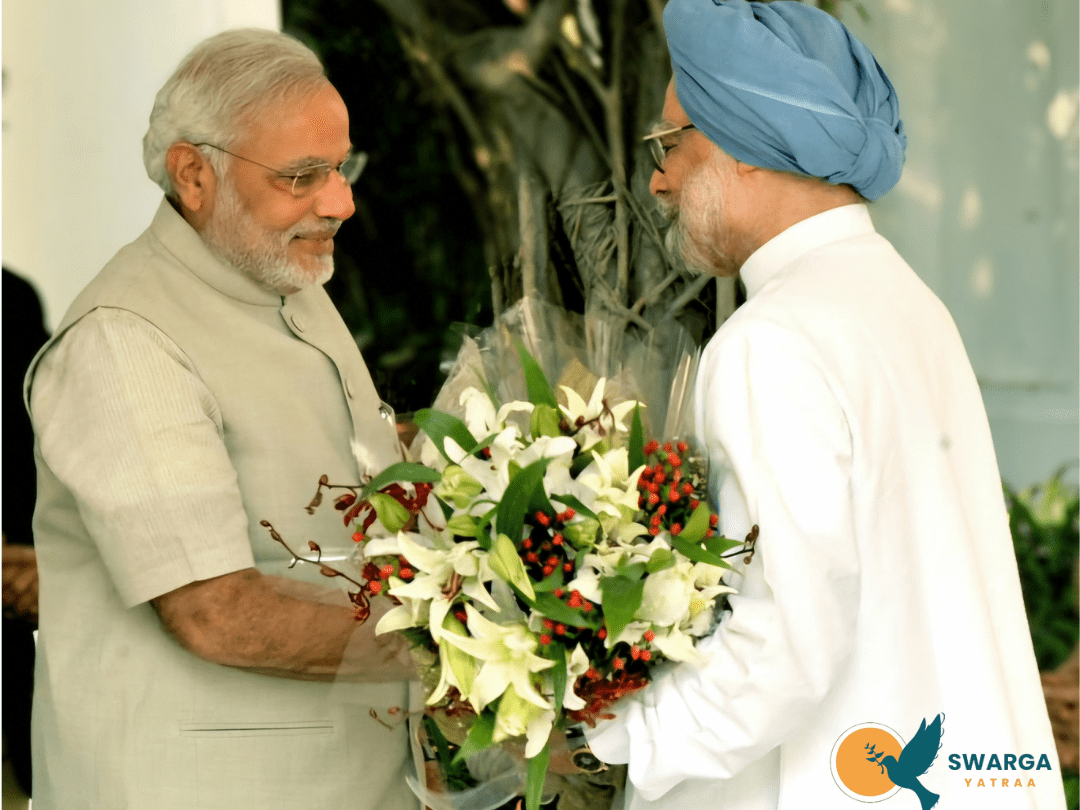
[201, 384]
[881, 607]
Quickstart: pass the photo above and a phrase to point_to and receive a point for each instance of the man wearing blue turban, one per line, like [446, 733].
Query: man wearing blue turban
[878, 632]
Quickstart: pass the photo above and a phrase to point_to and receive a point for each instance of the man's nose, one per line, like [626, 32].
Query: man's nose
[335, 200]
[658, 183]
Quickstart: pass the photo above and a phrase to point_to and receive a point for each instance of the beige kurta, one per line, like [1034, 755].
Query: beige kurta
[177, 406]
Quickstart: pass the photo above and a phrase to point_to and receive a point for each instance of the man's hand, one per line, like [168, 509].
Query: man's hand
[20, 578]
[281, 627]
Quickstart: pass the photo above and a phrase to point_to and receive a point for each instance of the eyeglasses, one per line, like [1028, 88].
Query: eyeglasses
[657, 149]
[310, 179]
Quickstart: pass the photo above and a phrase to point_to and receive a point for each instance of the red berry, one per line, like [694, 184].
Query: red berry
[592, 674]
[526, 543]
[709, 533]
[601, 633]
[675, 528]
[406, 573]
[667, 447]
[673, 495]
[661, 509]
[655, 520]
[635, 652]
[357, 537]
[687, 489]
[568, 514]
[461, 615]
[659, 477]
[559, 593]
[646, 655]
[587, 606]
[532, 557]
[654, 498]
[682, 447]
[618, 663]
[649, 635]
[552, 560]
[557, 539]
[568, 567]
[386, 571]
[545, 639]
[694, 503]
[548, 570]
[713, 520]
[650, 448]
[560, 629]
[542, 519]
[654, 530]
[374, 587]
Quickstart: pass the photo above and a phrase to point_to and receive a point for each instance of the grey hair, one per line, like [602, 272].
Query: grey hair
[221, 87]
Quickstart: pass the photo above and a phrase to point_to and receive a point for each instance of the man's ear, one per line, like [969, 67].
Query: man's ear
[193, 179]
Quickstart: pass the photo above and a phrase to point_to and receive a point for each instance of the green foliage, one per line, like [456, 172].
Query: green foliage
[1044, 524]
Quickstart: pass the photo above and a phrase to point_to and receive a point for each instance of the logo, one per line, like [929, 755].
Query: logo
[871, 762]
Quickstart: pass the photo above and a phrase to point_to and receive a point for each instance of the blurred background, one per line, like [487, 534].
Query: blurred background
[506, 162]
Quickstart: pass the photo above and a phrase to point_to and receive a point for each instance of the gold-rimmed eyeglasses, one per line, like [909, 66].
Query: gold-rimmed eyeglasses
[658, 149]
[310, 179]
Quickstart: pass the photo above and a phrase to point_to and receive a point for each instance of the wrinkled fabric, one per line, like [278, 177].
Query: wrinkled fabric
[786, 86]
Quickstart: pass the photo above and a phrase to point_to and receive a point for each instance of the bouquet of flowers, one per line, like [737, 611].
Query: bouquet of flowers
[542, 560]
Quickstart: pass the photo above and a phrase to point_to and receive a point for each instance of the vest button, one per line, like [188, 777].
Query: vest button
[297, 322]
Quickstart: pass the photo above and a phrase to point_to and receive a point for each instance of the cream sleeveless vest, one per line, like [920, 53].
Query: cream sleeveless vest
[124, 717]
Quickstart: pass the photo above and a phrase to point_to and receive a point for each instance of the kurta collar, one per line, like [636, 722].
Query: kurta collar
[180, 239]
[801, 238]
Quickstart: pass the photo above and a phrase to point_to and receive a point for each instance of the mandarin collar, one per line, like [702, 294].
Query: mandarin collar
[782, 250]
[184, 243]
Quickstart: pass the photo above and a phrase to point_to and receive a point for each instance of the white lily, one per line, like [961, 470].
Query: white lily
[508, 653]
[517, 717]
[591, 432]
[436, 567]
[577, 664]
[666, 598]
[677, 646]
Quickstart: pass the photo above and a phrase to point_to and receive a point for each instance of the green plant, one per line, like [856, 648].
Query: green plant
[1044, 521]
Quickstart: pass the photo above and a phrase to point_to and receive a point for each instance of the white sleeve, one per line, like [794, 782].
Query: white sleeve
[769, 417]
[129, 428]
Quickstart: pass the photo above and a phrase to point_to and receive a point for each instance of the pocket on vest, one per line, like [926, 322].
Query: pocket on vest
[270, 729]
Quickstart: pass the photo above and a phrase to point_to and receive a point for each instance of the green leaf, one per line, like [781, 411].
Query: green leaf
[576, 505]
[632, 570]
[505, 562]
[438, 425]
[391, 514]
[483, 537]
[637, 441]
[540, 391]
[557, 653]
[510, 513]
[480, 735]
[695, 553]
[698, 524]
[402, 471]
[621, 598]
[720, 545]
[557, 611]
[661, 558]
[545, 422]
[550, 582]
[534, 778]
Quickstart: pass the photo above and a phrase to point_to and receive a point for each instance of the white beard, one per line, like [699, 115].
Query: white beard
[263, 254]
[697, 222]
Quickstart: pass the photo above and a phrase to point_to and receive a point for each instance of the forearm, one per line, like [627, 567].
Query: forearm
[281, 628]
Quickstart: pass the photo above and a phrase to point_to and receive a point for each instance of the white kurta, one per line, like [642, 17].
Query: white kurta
[841, 415]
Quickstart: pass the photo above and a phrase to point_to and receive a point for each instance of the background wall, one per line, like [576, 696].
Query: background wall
[77, 97]
[986, 211]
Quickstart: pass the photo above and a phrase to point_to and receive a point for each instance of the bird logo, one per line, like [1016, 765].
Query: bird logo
[871, 762]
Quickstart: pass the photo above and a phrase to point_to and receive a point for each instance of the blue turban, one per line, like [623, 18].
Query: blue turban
[785, 86]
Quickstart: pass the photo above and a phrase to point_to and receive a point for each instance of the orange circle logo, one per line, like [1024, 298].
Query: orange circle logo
[857, 758]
